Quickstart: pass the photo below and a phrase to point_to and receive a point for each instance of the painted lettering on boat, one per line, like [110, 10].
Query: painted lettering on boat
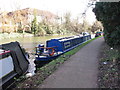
[67, 45]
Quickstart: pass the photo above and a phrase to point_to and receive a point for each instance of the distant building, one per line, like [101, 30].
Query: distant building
[21, 19]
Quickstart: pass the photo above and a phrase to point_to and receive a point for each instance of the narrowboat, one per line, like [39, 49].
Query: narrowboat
[13, 63]
[56, 47]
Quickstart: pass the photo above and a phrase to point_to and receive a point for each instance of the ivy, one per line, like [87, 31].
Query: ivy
[108, 13]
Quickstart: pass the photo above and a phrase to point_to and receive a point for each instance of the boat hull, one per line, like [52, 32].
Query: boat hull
[62, 45]
[49, 58]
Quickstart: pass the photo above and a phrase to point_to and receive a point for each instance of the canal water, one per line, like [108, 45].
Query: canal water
[29, 43]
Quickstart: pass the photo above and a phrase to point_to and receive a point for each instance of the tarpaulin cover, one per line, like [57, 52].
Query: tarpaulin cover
[19, 59]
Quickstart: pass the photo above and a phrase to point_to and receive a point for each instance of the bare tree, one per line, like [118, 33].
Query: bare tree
[16, 6]
[97, 26]
[67, 23]
[91, 4]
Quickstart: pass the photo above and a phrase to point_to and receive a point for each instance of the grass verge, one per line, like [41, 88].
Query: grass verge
[49, 68]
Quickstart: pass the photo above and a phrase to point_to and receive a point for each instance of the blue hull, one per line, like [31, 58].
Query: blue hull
[49, 58]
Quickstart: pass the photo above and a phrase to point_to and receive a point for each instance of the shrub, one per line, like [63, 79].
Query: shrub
[108, 13]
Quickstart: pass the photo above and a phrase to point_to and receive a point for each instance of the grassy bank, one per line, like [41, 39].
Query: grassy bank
[17, 35]
[109, 68]
[49, 68]
[14, 35]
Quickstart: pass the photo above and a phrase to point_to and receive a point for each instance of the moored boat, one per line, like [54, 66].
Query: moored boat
[13, 63]
[57, 47]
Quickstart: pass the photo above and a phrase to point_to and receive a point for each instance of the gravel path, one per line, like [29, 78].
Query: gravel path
[78, 72]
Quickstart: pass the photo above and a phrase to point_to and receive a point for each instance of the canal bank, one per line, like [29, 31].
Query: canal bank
[48, 69]
[80, 71]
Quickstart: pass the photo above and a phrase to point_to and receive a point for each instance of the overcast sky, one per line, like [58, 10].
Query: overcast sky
[76, 7]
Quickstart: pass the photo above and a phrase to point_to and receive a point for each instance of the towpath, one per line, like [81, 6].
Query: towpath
[78, 72]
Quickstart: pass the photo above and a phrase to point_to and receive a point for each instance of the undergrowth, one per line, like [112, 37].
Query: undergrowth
[108, 68]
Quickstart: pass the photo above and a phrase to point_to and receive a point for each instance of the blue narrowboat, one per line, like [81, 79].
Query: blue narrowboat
[56, 47]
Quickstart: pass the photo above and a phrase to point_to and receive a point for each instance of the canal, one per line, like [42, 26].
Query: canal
[29, 43]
